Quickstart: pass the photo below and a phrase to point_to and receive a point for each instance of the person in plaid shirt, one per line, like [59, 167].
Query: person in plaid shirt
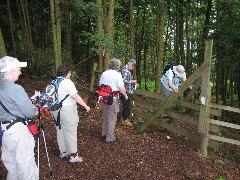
[128, 84]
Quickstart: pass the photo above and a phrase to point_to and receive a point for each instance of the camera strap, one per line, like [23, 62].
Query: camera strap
[4, 107]
[12, 122]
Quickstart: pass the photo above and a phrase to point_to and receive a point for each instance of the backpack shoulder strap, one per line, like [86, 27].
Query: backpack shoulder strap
[56, 82]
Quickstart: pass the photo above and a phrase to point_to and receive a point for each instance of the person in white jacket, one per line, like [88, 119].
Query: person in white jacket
[18, 142]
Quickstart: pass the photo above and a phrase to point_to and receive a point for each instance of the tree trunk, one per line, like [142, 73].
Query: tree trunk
[110, 31]
[238, 84]
[188, 50]
[232, 70]
[176, 37]
[141, 41]
[68, 31]
[132, 36]
[206, 29]
[160, 30]
[11, 27]
[101, 32]
[218, 59]
[23, 12]
[56, 29]
[180, 39]
[3, 51]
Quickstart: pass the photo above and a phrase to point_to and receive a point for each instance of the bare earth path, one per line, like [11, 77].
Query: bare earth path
[150, 155]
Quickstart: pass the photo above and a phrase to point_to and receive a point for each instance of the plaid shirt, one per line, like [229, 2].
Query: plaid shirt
[127, 77]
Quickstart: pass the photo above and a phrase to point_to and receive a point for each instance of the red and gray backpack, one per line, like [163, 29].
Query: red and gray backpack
[104, 94]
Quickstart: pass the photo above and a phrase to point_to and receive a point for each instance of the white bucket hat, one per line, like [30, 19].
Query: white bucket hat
[11, 63]
[179, 70]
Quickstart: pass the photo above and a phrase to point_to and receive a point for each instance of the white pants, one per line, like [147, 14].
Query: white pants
[67, 135]
[18, 153]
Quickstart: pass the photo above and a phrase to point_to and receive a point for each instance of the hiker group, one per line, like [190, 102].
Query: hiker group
[115, 85]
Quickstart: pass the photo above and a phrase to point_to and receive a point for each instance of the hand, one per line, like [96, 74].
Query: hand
[133, 81]
[35, 94]
[175, 90]
[87, 108]
[126, 97]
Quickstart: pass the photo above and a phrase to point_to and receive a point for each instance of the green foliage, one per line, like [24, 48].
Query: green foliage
[150, 85]
[212, 150]
[168, 171]
[220, 178]
[233, 155]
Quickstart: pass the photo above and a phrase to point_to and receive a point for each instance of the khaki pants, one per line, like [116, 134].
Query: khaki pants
[67, 135]
[18, 153]
[109, 119]
[164, 91]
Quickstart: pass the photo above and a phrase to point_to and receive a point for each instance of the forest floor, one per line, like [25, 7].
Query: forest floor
[153, 154]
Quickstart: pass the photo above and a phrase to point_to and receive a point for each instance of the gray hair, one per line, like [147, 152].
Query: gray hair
[3, 63]
[115, 64]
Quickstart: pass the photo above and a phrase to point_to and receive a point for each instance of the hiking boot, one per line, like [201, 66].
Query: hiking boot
[76, 159]
[127, 122]
[63, 155]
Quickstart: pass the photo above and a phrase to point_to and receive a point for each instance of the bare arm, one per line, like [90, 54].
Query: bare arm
[170, 84]
[80, 101]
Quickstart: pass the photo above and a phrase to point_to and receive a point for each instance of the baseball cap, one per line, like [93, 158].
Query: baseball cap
[133, 61]
[10, 63]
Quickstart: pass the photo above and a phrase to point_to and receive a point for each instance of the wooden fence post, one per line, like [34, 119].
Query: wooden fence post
[203, 127]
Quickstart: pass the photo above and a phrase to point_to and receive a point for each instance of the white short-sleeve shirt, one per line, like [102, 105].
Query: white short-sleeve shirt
[67, 87]
[113, 79]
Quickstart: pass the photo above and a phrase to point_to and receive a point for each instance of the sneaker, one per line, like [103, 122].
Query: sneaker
[63, 155]
[76, 159]
[127, 122]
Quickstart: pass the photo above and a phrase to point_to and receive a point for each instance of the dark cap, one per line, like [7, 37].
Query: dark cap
[133, 61]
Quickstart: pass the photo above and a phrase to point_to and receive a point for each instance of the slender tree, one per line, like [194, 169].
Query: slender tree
[3, 51]
[56, 29]
[132, 35]
[101, 32]
[160, 32]
[68, 44]
[109, 31]
[11, 27]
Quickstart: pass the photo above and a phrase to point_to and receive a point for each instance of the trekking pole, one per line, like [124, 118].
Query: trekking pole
[132, 104]
[135, 85]
[38, 154]
[45, 144]
[38, 138]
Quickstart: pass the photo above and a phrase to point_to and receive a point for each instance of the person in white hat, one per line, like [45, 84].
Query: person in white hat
[170, 81]
[17, 141]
